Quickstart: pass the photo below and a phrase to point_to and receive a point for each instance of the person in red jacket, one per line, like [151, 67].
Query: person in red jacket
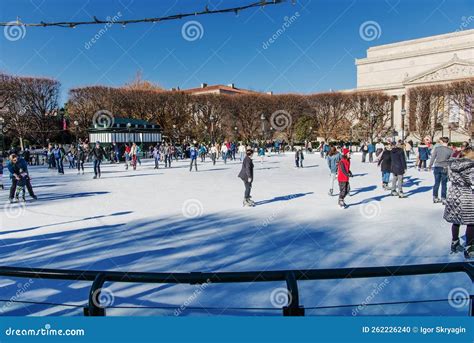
[343, 175]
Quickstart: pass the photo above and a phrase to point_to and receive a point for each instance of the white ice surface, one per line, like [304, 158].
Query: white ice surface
[171, 220]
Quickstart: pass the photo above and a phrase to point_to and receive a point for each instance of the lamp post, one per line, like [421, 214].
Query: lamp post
[403, 113]
[236, 129]
[2, 121]
[262, 118]
[76, 124]
[61, 113]
[372, 120]
[211, 119]
[174, 134]
[129, 127]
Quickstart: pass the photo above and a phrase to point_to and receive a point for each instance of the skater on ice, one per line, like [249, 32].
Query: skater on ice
[246, 174]
[333, 159]
[439, 163]
[18, 166]
[343, 175]
[98, 154]
[459, 208]
[385, 164]
[398, 168]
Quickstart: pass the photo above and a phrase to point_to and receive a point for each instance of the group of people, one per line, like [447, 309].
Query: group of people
[456, 165]
[447, 163]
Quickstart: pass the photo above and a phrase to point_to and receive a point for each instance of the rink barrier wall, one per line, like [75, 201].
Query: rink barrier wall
[291, 277]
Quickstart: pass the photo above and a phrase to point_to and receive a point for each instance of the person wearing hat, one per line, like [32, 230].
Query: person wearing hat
[246, 174]
[343, 175]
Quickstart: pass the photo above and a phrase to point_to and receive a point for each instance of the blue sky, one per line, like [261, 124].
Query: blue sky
[316, 51]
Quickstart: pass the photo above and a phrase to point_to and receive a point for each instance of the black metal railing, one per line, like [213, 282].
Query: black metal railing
[291, 277]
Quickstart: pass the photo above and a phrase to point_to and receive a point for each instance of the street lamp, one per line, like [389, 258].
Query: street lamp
[76, 124]
[61, 113]
[2, 121]
[372, 120]
[129, 127]
[403, 113]
[174, 134]
[262, 118]
[211, 119]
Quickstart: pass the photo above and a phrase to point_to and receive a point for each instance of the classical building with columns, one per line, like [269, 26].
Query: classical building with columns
[394, 68]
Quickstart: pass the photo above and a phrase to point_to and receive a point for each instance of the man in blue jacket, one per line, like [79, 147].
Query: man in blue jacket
[193, 154]
[17, 165]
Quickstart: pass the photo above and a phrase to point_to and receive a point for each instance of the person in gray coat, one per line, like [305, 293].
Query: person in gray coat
[246, 174]
[459, 208]
[439, 159]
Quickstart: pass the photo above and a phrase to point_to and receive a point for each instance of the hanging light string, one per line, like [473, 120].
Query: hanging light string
[95, 21]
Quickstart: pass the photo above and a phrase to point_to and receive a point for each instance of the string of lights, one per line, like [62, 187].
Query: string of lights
[96, 21]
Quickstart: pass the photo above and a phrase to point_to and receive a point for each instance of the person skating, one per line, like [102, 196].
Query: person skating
[261, 154]
[343, 175]
[126, 155]
[17, 166]
[398, 168]
[439, 164]
[98, 154]
[459, 208]
[134, 155]
[423, 156]
[213, 152]
[385, 164]
[246, 174]
[203, 152]
[156, 156]
[81, 157]
[299, 157]
[371, 151]
[379, 148]
[365, 150]
[59, 153]
[333, 159]
[21, 185]
[193, 155]
[224, 152]
[241, 151]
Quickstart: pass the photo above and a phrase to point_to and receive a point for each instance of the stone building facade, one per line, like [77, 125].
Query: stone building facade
[394, 68]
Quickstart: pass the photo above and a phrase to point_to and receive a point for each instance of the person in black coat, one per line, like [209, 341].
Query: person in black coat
[246, 174]
[98, 153]
[385, 164]
[398, 168]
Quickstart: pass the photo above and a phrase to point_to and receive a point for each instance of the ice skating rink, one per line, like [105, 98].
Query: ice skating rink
[171, 220]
